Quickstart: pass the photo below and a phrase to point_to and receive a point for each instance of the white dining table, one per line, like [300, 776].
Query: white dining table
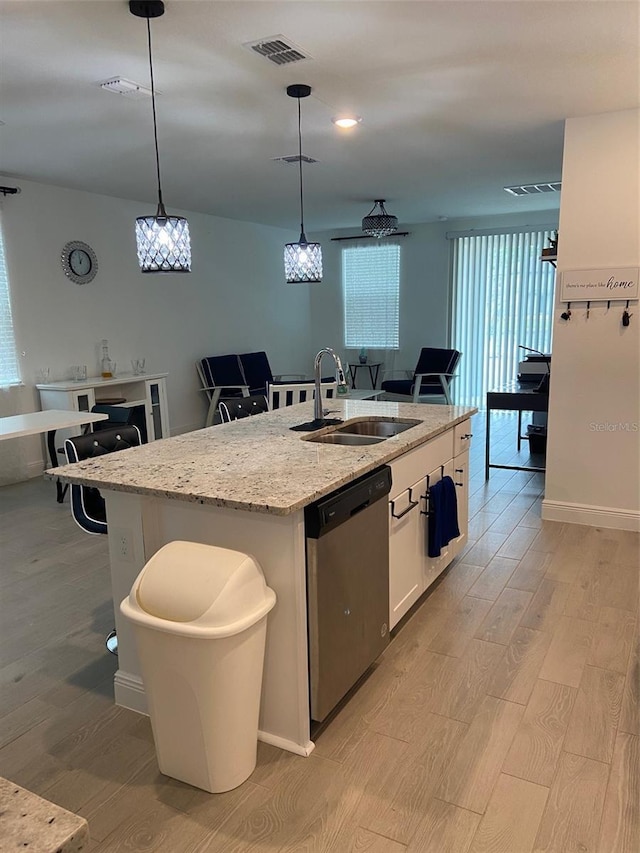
[49, 421]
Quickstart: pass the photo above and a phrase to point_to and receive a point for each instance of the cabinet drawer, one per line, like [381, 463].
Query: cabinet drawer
[407, 469]
[461, 437]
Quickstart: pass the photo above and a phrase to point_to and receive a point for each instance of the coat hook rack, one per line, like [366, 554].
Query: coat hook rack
[626, 317]
[566, 315]
[588, 308]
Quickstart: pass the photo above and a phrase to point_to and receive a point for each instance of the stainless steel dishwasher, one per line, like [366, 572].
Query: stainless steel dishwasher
[347, 586]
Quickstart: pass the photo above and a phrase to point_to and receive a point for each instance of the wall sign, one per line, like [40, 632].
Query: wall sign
[599, 285]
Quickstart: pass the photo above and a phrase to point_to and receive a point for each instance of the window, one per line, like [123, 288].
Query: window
[371, 296]
[502, 297]
[8, 358]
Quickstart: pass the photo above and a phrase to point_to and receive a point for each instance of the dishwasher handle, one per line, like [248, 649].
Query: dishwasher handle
[358, 509]
[412, 505]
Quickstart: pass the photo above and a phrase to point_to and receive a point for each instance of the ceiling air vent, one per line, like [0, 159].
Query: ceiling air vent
[294, 158]
[277, 49]
[535, 189]
[127, 88]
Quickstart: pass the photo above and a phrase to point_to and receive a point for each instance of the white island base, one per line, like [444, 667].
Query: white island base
[244, 486]
[139, 525]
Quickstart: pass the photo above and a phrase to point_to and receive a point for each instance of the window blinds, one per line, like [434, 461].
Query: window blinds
[8, 359]
[371, 296]
[502, 297]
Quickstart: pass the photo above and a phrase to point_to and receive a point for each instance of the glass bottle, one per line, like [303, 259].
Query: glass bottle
[105, 363]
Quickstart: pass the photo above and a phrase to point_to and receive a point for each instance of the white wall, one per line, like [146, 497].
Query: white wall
[593, 472]
[425, 297]
[235, 300]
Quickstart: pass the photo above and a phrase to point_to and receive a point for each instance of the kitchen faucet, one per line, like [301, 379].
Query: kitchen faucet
[342, 384]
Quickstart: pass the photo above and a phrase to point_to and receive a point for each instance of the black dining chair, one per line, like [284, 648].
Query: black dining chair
[87, 504]
[234, 408]
[121, 416]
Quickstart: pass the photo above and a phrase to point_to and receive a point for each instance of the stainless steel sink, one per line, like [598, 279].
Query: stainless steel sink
[364, 432]
[346, 438]
[382, 429]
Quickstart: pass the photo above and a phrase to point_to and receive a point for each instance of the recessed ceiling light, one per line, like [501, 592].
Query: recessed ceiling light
[346, 121]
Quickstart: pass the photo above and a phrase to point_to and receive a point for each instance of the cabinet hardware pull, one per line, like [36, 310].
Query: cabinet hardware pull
[459, 470]
[412, 505]
[466, 435]
[459, 484]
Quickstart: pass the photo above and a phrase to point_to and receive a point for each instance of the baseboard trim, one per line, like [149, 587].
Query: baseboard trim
[129, 693]
[35, 469]
[592, 516]
[288, 745]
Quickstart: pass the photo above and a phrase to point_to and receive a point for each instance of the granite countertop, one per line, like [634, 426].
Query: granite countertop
[258, 464]
[27, 822]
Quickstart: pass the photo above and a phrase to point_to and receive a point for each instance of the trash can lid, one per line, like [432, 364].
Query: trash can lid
[192, 582]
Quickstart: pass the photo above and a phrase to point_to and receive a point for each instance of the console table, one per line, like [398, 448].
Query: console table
[148, 390]
[513, 397]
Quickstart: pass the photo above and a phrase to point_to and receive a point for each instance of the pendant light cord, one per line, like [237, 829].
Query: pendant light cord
[302, 234]
[161, 209]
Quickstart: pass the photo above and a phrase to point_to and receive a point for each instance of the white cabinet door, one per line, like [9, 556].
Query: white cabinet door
[433, 566]
[156, 409]
[406, 549]
[461, 479]
[411, 570]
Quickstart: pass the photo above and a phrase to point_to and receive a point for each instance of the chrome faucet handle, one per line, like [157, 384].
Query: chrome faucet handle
[340, 378]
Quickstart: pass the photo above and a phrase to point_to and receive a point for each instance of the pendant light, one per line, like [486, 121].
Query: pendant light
[302, 260]
[162, 241]
[379, 223]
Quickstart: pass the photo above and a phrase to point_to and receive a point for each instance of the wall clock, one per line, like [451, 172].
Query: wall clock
[79, 262]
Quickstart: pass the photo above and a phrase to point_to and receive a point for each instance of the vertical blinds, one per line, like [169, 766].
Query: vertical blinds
[502, 297]
[371, 295]
[8, 358]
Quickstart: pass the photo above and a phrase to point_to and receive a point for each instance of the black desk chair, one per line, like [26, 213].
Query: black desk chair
[431, 378]
[87, 504]
[234, 408]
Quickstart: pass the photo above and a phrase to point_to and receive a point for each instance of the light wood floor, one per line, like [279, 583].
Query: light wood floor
[503, 718]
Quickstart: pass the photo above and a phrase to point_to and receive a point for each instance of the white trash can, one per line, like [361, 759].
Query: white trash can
[199, 614]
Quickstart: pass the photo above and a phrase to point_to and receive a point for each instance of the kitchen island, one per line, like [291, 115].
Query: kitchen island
[244, 486]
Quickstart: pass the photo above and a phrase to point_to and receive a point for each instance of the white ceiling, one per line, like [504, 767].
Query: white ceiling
[458, 98]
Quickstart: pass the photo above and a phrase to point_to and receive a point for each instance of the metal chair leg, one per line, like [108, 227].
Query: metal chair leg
[112, 642]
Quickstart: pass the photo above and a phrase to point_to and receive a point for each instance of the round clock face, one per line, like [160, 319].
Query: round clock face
[79, 262]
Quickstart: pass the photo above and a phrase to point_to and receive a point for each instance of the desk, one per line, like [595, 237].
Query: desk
[35, 422]
[374, 370]
[516, 398]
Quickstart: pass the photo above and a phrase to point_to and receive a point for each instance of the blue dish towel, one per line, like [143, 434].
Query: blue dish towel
[442, 521]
